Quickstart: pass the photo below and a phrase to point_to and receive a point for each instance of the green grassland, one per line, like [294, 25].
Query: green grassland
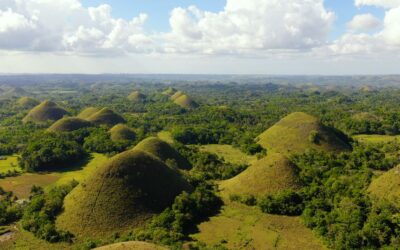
[21, 185]
[377, 138]
[9, 164]
[243, 227]
[229, 153]
[132, 245]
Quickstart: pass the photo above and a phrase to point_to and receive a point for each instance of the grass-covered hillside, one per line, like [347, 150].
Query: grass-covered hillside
[298, 132]
[269, 175]
[45, 111]
[163, 151]
[69, 124]
[121, 195]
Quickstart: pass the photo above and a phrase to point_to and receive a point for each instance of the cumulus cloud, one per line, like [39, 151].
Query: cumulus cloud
[254, 25]
[363, 22]
[379, 3]
[391, 31]
[66, 26]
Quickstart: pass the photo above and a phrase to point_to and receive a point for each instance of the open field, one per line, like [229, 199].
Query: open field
[229, 153]
[242, 227]
[377, 138]
[132, 245]
[21, 185]
[9, 164]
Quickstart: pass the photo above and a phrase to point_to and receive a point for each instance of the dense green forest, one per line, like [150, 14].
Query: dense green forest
[331, 176]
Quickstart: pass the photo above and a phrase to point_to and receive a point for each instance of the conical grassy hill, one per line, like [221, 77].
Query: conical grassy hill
[269, 175]
[87, 112]
[387, 186]
[177, 95]
[298, 132]
[123, 194]
[45, 111]
[169, 91]
[121, 132]
[27, 102]
[163, 151]
[107, 117]
[69, 124]
[136, 96]
[186, 102]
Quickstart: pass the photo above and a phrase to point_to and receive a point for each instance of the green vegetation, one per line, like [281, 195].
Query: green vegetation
[9, 211]
[69, 124]
[106, 116]
[298, 132]
[229, 153]
[40, 215]
[269, 175]
[188, 209]
[51, 152]
[121, 195]
[207, 166]
[43, 112]
[121, 132]
[164, 152]
[99, 141]
[278, 177]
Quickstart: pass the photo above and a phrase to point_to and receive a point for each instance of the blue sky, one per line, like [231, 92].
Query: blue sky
[159, 11]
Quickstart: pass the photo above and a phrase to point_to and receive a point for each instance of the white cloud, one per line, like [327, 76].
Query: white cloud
[391, 31]
[379, 3]
[67, 26]
[254, 25]
[363, 22]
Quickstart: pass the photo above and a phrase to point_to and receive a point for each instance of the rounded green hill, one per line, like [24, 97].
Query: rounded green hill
[106, 116]
[87, 112]
[169, 91]
[163, 151]
[121, 195]
[27, 102]
[186, 102]
[69, 124]
[387, 186]
[177, 95]
[15, 92]
[269, 175]
[298, 132]
[121, 132]
[45, 111]
[136, 96]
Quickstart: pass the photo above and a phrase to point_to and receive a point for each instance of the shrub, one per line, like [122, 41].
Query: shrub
[49, 152]
[283, 203]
